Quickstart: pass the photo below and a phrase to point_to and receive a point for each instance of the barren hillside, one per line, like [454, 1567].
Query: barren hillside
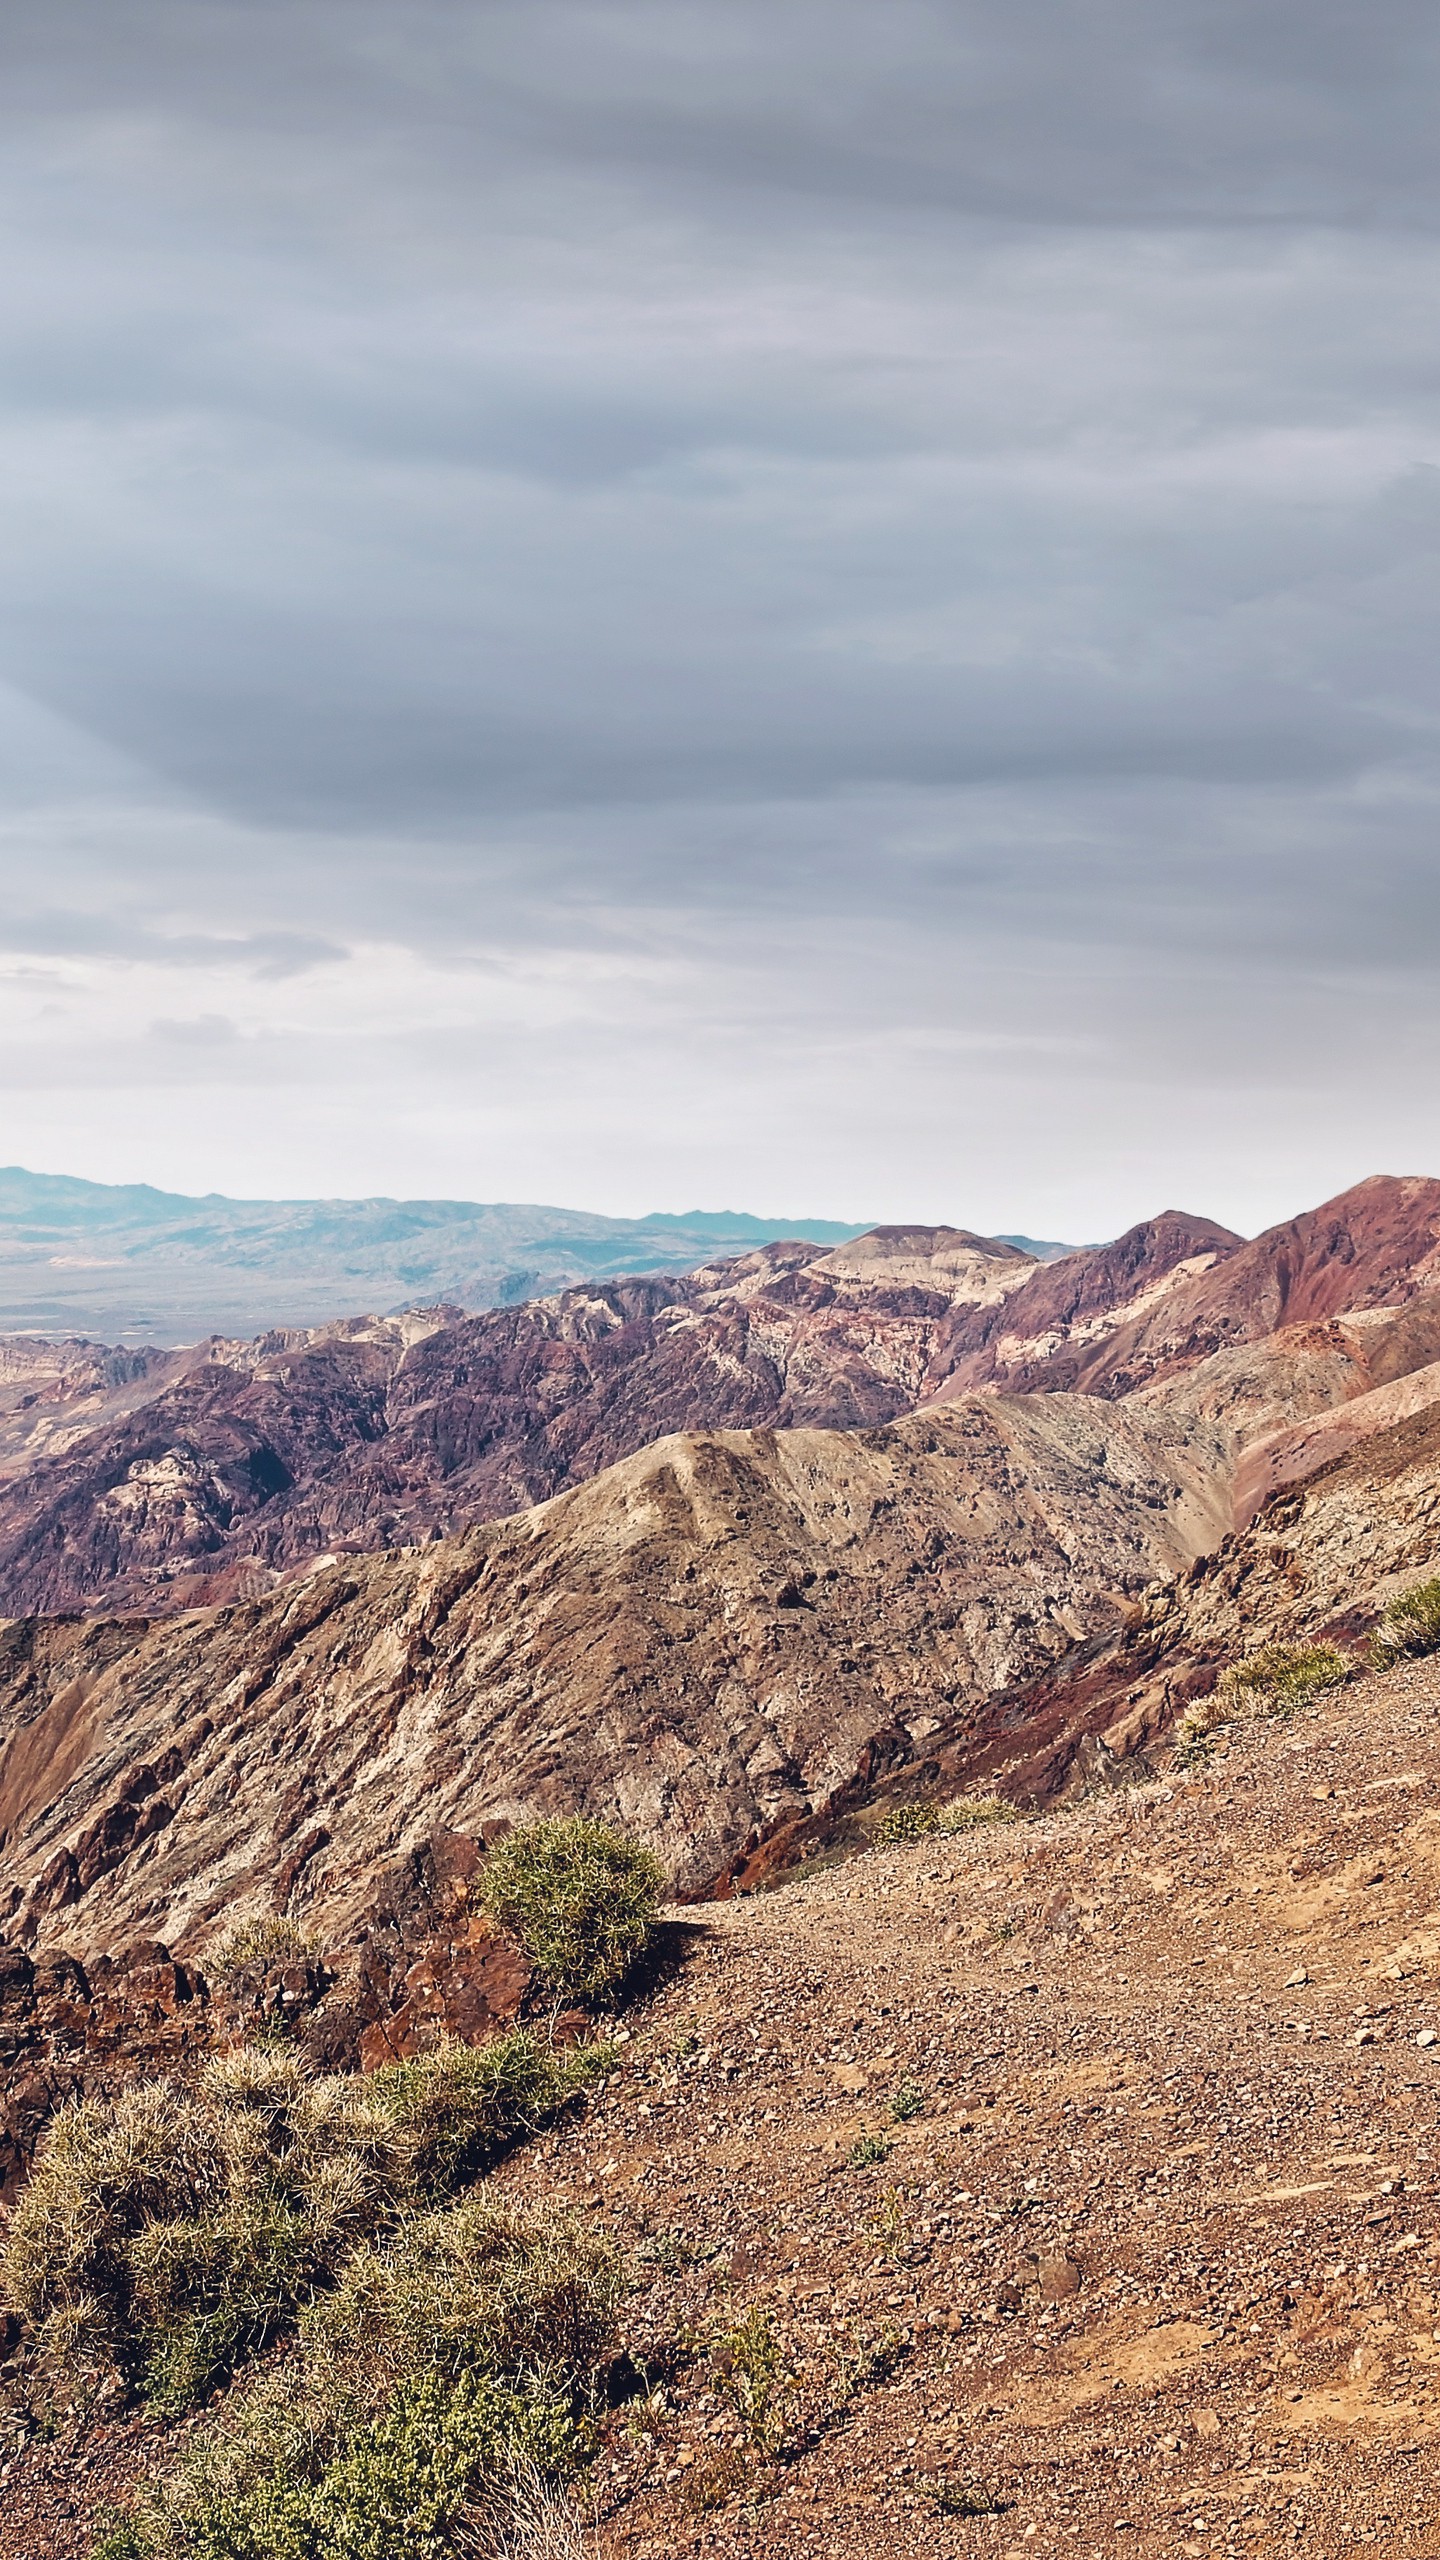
[695, 1642]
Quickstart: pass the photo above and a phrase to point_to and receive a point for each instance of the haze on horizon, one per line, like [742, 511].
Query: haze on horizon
[633, 604]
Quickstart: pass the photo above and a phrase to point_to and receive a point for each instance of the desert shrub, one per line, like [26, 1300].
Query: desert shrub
[751, 2370]
[580, 1897]
[271, 1942]
[457, 2107]
[907, 2101]
[1276, 1681]
[437, 2383]
[971, 1813]
[908, 1822]
[1409, 1624]
[869, 2151]
[166, 2236]
[472, 2286]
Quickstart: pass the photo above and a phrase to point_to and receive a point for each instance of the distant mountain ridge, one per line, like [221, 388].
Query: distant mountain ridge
[127, 1263]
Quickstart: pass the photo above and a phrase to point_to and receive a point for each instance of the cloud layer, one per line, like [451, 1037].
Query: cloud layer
[639, 602]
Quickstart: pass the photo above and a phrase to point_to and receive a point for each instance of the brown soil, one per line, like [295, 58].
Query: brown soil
[1168, 2040]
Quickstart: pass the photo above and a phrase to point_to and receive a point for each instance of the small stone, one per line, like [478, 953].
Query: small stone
[1427, 2036]
[1297, 1980]
[1058, 2279]
[1365, 2035]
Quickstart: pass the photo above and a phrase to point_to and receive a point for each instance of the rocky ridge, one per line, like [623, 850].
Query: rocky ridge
[249, 1460]
[698, 1640]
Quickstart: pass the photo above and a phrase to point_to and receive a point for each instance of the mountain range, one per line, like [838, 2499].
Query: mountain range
[132, 1264]
[702, 1552]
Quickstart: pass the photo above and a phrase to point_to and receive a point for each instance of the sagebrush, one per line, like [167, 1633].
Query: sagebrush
[169, 2234]
[581, 1898]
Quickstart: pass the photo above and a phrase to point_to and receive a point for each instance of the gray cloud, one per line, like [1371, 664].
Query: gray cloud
[701, 525]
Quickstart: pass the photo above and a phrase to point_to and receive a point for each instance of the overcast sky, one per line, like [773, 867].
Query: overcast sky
[798, 604]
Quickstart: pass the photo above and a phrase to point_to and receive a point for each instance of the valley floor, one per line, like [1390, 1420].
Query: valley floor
[1157, 2252]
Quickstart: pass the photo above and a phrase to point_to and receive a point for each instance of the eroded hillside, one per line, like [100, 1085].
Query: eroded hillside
[697, 1642]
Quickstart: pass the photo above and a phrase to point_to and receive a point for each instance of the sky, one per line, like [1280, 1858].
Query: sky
[783, 604]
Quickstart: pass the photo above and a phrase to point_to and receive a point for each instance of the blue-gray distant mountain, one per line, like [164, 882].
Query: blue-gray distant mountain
[127, 1263]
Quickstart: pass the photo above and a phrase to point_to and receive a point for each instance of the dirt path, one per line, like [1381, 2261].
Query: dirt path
[1159, 2248]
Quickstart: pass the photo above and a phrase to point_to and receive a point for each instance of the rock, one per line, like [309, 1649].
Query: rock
[1059, 2279]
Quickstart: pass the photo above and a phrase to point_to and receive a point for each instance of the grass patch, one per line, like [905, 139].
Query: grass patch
[1409, 1625]
[429, 2404]
[273, 1942]
[972, 1813]
[581, 1898]
[167, 2236]
[1276, 1681]
[907, 2101]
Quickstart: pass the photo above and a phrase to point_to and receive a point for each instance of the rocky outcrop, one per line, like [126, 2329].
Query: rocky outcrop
[418, 1964]
[697, 1640]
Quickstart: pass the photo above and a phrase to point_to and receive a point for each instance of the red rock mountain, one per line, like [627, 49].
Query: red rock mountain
[1375, 1246]
[254, 1459]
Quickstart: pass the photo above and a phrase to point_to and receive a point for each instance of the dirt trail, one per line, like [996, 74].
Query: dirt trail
[1173, 2050]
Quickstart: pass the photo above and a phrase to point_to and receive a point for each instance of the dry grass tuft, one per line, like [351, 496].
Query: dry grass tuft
[1409, 1625]
[167, 2236]
[271, 1942]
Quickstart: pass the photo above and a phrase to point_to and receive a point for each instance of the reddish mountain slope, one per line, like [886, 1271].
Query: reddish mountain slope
[1053, 1331]
[381, 1432]
[1375, 1246]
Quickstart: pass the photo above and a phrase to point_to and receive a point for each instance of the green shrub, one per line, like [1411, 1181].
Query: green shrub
[166, 2236]
[908, 1822]
[970, 1813]
[1408, 1625]
[1276, 1681]
[445, 2368]
[870, 2150]
[752, 2374]
[270, 1942]
[907, 2101]
[581, 1899]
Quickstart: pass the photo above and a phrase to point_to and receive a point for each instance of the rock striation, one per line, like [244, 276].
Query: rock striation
[249, 1461]
[699, 1639]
